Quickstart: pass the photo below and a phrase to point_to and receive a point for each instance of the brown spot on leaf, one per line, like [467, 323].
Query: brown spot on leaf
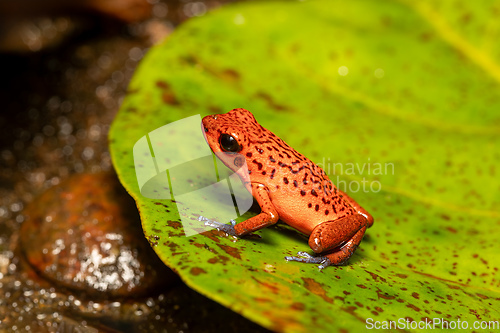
[221, 259]
[262, 300]
[413, 307]
[174, 224]
[316, 288]
[425, 37]
[474, 312]
[215, 109]
[298, 306]
[383, 295]
[376, 277]
[212, 234]
[173, 246]
[453, 287]
[168, 97]
[189, 60]
[232, 251]
[452, 230]
[153, 240]
[466, 18]
[162, 85]
[266, 97]
[270, 286]
[197, 271]
[482, 296]
[230, 75]
[386, 21]
[351, 310]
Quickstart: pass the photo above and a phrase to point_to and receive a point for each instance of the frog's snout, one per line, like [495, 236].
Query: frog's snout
[206, 125]
[207, 122]
[203, 128]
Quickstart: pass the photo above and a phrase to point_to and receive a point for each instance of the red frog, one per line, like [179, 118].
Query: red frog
[287, 186]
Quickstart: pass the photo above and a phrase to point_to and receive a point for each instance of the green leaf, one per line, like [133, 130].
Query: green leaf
[407, 88]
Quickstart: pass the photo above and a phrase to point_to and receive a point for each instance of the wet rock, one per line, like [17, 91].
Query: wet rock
[85, 234]
[125, 10]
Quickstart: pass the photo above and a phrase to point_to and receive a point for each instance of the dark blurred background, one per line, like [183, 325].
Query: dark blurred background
[65, 67]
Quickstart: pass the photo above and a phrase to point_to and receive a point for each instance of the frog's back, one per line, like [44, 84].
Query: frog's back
[299, 189]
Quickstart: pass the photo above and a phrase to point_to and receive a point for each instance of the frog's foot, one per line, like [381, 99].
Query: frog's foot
[307, 258]
[227, 228]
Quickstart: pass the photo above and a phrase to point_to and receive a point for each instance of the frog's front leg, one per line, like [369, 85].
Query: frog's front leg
[267, 217]
[335, 241]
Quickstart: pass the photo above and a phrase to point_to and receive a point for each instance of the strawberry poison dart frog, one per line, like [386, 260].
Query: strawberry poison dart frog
[287, 186]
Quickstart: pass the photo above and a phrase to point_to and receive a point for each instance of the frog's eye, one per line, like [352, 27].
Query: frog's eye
[228, 143]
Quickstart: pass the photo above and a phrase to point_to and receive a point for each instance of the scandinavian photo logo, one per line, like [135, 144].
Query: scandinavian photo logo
[174, 162]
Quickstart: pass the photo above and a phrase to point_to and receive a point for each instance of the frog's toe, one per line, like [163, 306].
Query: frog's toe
[307, 258]
[304, 254]
[228, 229]
[325, 263]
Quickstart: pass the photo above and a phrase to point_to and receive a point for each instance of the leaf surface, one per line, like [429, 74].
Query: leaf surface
[401, 97]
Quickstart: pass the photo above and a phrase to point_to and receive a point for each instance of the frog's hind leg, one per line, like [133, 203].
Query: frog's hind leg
[337, 257]
[343, 254]
[358, 208]
[335, 241]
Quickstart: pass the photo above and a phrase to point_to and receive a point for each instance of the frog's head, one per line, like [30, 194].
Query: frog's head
[231, 132]
[232, 135]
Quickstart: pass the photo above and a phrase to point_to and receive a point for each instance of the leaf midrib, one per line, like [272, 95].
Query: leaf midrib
[454, 39]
